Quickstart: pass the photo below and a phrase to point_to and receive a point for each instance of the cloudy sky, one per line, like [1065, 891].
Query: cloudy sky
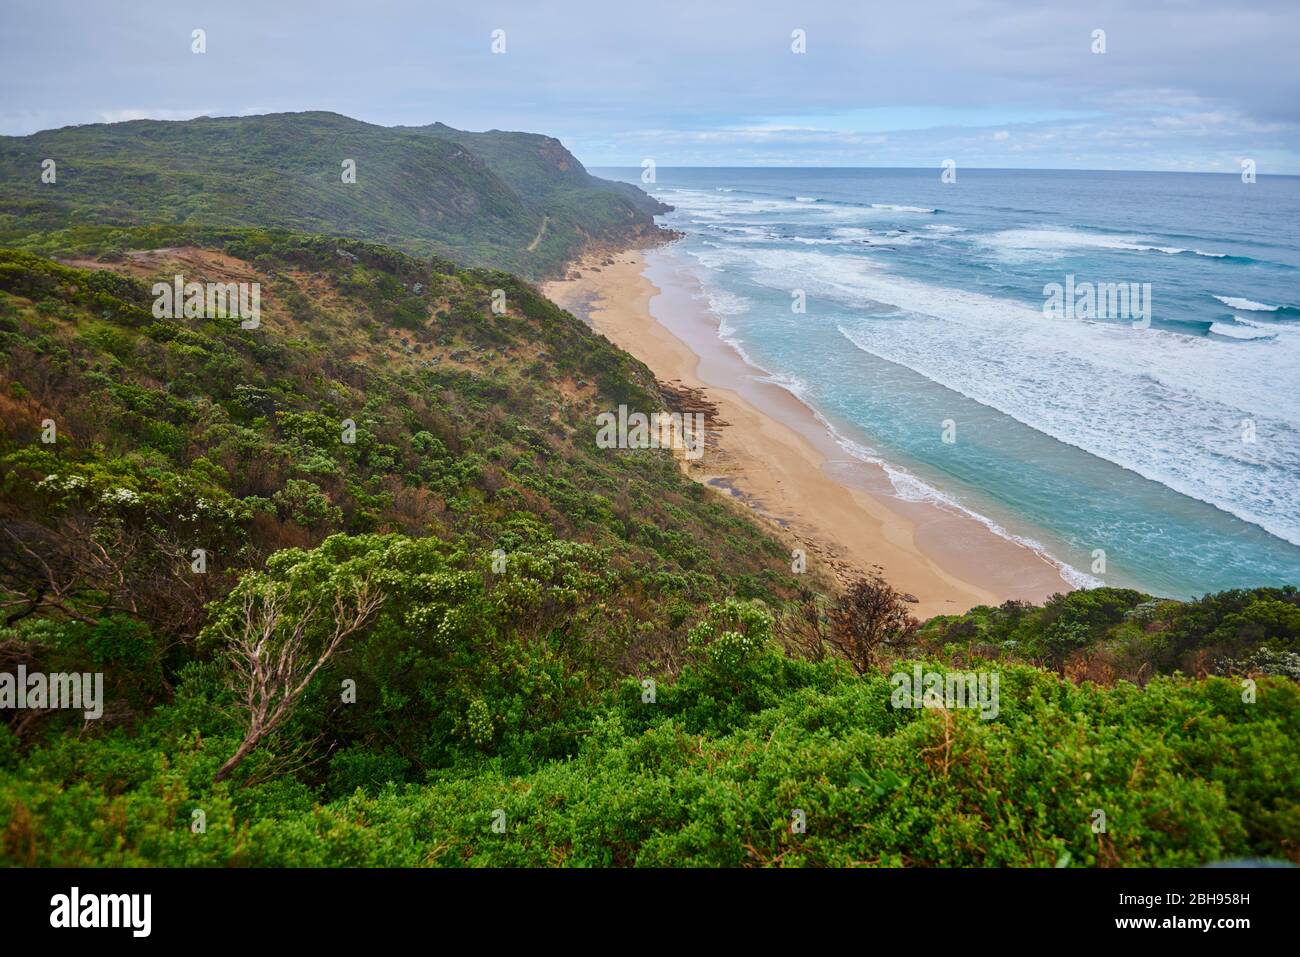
[1182, 84]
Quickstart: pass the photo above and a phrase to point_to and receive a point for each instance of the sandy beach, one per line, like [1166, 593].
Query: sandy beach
[775, 457]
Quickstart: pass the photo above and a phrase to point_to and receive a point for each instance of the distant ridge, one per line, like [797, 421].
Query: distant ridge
[477, 198]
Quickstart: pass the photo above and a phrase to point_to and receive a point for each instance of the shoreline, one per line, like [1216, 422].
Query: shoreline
[776, 457]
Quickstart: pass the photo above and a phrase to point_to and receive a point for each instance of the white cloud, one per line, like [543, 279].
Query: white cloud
[718, 79]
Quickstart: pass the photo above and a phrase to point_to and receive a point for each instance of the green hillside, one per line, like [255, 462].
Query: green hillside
[537, 167]
[510, 200]
[550, 653]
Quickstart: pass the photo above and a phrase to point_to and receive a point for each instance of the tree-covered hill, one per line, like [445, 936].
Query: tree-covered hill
[539, 167]
[472, 426]
[515, 201]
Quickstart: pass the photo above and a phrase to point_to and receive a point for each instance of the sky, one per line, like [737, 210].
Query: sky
[1197, 85]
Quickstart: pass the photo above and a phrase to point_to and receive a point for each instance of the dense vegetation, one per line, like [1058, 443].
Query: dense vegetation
[176, 434]
[712, 771]
[517, 201]
[432, 623]
[1109, 633]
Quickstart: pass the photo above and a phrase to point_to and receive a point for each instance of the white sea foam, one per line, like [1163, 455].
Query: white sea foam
[1053, 243]
[1164, 405]
[856, 235]
[744, 234]
[1173, 251]
[724, 306]
[1236, 302]
[902, 209]
[1241, 330]
[907, 486]
[715, 206]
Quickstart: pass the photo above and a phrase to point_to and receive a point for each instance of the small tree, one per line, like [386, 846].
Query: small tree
[802, 626]
[868, 615]
[275, 648]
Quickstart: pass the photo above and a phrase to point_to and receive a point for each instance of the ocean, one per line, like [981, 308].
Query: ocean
[1157, 449]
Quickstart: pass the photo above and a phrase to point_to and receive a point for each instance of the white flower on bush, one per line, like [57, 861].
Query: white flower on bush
[731, 633]
[61, 483]
[119, 496]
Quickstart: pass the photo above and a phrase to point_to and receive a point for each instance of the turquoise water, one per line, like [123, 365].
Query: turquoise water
[1173, 446]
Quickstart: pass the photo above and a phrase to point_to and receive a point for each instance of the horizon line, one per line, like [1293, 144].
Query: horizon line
[991, 169]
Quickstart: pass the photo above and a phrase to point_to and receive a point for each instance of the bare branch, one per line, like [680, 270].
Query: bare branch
[273, 662]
